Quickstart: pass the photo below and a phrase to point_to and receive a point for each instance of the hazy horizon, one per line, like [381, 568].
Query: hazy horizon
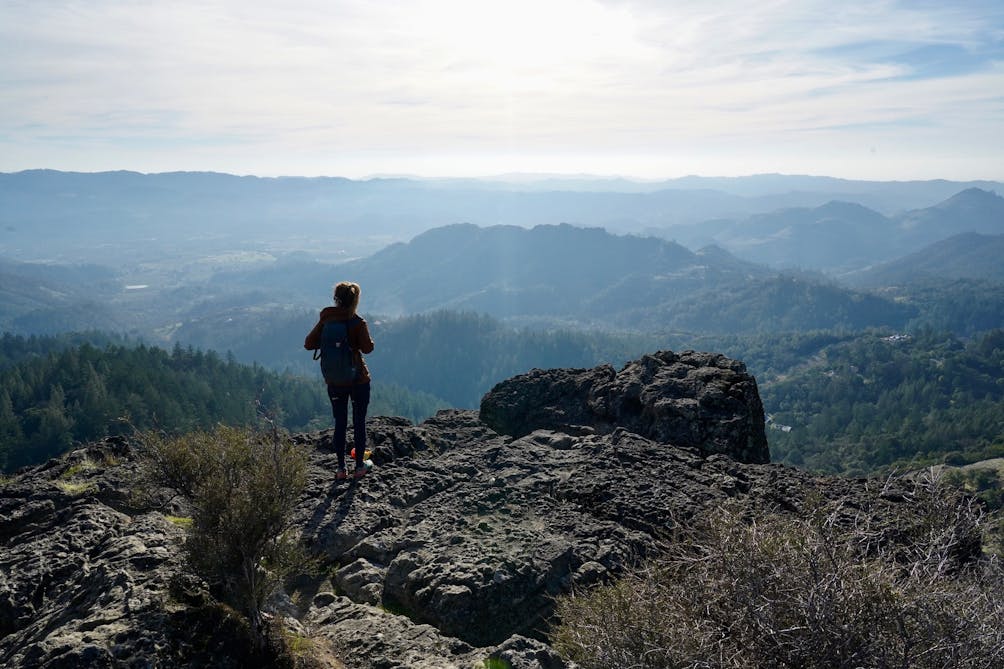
[513, 178]
[642, 90]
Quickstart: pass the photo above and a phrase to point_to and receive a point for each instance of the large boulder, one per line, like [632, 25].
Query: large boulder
[699, 400]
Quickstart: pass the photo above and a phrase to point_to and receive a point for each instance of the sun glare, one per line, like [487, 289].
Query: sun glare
[518, 40]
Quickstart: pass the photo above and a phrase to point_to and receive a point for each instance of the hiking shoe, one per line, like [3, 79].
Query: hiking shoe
[359, 473]
[341, 475]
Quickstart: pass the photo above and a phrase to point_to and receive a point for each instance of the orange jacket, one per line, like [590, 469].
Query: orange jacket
[359, 337]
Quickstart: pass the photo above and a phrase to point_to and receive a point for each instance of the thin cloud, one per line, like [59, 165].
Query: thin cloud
[336, 87]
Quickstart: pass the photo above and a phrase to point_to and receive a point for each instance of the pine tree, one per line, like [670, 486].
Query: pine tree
[10, 428]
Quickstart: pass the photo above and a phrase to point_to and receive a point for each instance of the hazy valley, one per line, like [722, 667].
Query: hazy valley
[467, 282]
[147, 252]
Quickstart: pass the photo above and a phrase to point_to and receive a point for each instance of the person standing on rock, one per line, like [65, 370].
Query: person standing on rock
[339, 340]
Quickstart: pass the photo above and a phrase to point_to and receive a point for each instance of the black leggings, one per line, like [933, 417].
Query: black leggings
[339, 396]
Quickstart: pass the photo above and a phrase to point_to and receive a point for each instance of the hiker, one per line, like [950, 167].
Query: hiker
[341, 337]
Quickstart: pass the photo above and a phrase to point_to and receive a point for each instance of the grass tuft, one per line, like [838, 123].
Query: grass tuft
[85, 465]
[76, 488]
[180, 521]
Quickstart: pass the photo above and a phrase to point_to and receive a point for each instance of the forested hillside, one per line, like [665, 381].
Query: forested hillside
[460, 356]
[966, 256]
[457, 356]
[15, 348]
[563, 276]
[54, 394]
[855, 402]
[876, 402]
[780, 304]
[549, 271]
[965, 307]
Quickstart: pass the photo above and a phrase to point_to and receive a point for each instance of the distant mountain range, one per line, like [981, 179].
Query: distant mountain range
[154, 221]
[544, 276]
[838, 237]
[969, 255]
[568, 274]
[972, 210]
[547, 270]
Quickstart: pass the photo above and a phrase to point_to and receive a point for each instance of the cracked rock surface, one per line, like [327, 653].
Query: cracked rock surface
[449, 552]
[699, 400]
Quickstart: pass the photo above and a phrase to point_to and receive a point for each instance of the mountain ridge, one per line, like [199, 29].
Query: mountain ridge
[840, 236]
[967, 255]
[331, 215]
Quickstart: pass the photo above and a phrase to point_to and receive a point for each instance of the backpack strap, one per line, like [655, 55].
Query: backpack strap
[351, 323]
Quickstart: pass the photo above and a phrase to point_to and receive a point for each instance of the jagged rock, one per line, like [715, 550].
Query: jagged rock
[521, 653]
[698, 400]
[87, 582]
[369, 638]
[361, 581]
[365, 637]
[477, 540]
[449, 552]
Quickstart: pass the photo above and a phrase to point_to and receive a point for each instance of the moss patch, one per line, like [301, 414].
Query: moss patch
[180, 521]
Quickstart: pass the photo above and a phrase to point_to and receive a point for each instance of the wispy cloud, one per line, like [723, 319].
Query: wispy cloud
[872, 89]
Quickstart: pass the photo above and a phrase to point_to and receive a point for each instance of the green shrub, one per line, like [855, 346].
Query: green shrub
[495, 663]
[828, 590]
[243, 487]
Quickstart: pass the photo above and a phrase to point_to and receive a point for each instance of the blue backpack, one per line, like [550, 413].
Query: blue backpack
[338, 364]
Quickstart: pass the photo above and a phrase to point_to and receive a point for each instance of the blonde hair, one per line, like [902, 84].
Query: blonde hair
[347, 295]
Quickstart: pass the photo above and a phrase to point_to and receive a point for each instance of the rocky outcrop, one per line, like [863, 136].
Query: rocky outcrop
[699, 400]
[87, 582]
[449, 552]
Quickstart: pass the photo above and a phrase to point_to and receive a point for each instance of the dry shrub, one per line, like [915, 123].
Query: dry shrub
[243, 487]
[830, 589]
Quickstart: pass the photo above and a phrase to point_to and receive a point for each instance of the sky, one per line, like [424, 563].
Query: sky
[871, 90]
